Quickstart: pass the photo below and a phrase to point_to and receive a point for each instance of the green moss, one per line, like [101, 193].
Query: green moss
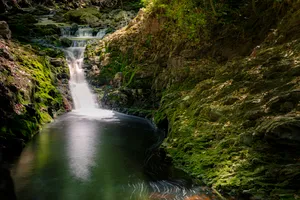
[227, 135]
[83, 15]
[36, 97]
[233, 121]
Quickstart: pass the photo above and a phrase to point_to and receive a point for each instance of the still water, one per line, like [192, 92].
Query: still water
[97, 154]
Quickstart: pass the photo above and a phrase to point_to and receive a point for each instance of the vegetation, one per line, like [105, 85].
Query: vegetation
[30, 90]
[226, 75]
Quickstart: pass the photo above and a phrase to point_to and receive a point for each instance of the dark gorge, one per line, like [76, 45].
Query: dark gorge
[149, 99]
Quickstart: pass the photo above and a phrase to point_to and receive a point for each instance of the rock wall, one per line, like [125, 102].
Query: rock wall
[230, 103]
[33, 92]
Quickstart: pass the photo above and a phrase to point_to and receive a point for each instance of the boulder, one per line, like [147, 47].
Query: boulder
[90, 19]
[4, 30]
[65, 42]
[83, 16]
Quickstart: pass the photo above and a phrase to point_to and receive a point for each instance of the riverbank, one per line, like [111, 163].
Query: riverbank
[33, 92]
[225, 87]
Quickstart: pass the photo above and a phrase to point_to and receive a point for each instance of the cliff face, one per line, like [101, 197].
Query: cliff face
[227, 84]
[32, 92]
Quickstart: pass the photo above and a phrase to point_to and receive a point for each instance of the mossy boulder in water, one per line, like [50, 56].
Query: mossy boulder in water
[83, 16]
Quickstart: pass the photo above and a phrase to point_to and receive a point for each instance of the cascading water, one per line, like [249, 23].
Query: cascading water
[82, 96]
[84, 32]
[101, 33]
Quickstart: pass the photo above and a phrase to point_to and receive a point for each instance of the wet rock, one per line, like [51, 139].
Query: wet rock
[65, 42]
[74, 28]
[58, 62]
[67, 104]
[83, 16]
[115, 99]
[4, 30]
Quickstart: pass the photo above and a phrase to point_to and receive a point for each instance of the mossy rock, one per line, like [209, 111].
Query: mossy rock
[83, 16]
[89, 19]
[30, 96]
[21, 24]
[48, 29]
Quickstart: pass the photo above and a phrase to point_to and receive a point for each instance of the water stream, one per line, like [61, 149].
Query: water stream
[92, 153]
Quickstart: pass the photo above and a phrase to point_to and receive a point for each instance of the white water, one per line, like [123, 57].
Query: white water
[84, 33]
[101, 33]
[82, 96]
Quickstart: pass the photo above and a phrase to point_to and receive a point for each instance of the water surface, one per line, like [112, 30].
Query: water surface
[81, 156]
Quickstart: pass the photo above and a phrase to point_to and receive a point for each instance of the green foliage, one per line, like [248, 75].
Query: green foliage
[185, 19]
[133, 5]
[188, 18]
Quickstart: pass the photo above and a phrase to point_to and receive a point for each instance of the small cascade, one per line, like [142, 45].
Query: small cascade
[84, 32]
[66, 31]
[82, 96]
[101, 33]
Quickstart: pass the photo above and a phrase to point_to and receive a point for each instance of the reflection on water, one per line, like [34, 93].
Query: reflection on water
[81, 148]
[94, 155]
[83, 157]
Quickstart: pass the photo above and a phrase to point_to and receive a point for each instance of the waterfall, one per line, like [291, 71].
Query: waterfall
[84, 32]
[82, 96]
[65, 31]
[101, 33]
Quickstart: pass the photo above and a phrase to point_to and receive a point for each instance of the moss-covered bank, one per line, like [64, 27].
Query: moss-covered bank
[32, 92]
[227, 76]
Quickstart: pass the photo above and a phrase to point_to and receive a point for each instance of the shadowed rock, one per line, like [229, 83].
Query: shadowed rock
[4, 30]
